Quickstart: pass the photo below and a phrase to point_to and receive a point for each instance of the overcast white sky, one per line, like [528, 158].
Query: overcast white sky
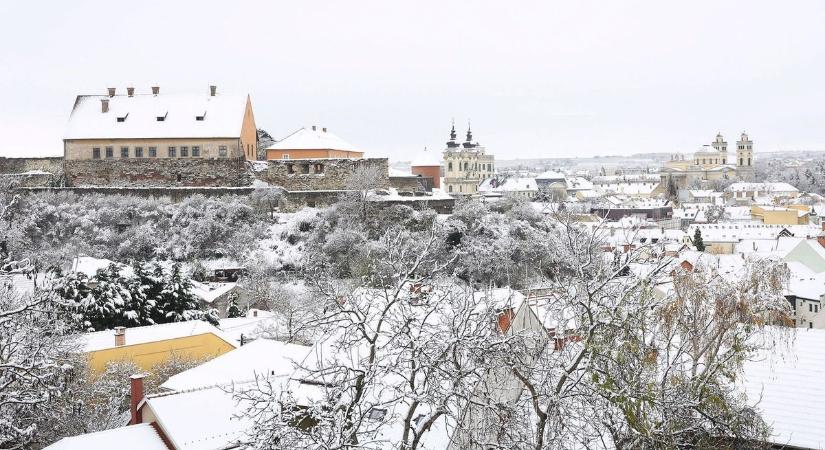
[537, 78]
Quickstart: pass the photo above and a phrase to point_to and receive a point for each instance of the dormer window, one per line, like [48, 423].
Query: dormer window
[122, 118]
[161, 117]
[200, 117]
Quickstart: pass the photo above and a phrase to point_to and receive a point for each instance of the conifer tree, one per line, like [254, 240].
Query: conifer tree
[178, 302]
[105, 306]
[139, 309]
[697, 240]
[232, 309]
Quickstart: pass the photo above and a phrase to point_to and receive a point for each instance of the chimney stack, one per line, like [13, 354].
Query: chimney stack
[135, 397]
[130, 91]
[324, 129]
[313, 128]
[111, 92]
[120, 336]
[155, 90]
[212, 90]
[104, 105]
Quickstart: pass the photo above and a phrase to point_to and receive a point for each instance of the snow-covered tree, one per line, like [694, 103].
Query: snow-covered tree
[393, 356]
[232, 309]
[177, 302]
[33, 360]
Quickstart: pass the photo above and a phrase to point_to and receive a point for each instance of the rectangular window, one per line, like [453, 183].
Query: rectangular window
[184, 151]
[110, 152]
[96, 153]
[285, 156]
[172, 152]
[153, 152]
[138, 152]
[290, 168]
[196, 151]
[304, 168]
[318, 168]
[222, 151]
[124, 152]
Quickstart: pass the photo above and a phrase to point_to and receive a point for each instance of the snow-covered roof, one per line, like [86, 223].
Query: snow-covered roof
[804, 283]
[509, 184]
[735, 232]
[551, 175]
[101, 340]
[761, 187]
[200, 419]
[89, 265]
[578, 184]
[250, 328]
[393, 172]
[309, 139]
[136, 437]
[209, 292]
[222, 116]
[262, 357]
[783, 385]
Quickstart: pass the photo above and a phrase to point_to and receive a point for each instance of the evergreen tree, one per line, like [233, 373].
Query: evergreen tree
[178, 302]
[232, 309]
[212, 316]
[143, 301]
[697, 240]
[155, 282]
[104, 308]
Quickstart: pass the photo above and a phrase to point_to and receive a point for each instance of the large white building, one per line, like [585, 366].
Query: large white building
[466, 165]
[708, 163]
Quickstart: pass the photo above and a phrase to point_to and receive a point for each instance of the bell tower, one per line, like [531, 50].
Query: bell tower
[719, 143]
[744, 157]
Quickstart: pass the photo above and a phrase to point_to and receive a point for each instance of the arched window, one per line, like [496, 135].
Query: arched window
[460, 188]
[749, 161]
[741, 162]
[450, 188]
[450, 167]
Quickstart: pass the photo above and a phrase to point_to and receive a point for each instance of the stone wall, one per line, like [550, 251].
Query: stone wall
[318, 174]
[412, 184]
[13, 166]
[176, 194]
[28, 172]
[157, 172]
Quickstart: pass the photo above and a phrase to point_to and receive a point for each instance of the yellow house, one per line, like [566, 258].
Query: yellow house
[151, 345]
[781, 215]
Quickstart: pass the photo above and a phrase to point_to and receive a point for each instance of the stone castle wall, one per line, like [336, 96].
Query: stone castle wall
[15, 166]
[318, 174]
[158, 172]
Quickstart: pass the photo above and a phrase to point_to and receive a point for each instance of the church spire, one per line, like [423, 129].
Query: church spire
[452, 143]
[469, 132]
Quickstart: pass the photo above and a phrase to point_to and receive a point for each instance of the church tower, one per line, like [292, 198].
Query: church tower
[744, 157]
[719, 144]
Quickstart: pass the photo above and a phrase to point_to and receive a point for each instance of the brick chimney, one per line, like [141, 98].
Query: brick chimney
[135, 397]
[213, 90]
[111, 92]
[130, 91]
[155, 90]
[324, 129]
[120, 336]
[104, 105]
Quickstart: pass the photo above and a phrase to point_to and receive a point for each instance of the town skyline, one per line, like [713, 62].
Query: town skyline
[540, 81]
